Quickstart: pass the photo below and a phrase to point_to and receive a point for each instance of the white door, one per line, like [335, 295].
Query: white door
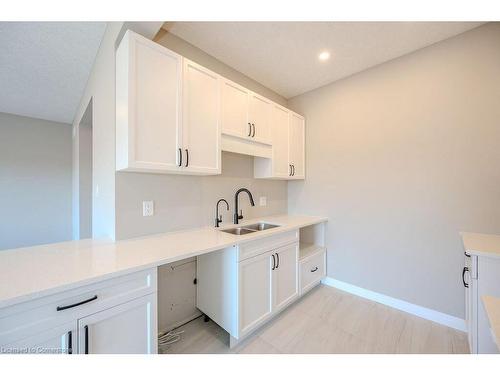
[297, 146]
[201, 117]
[260, 118]
[281, 166]
[57, 340]
[255, 303]
[129, 328]
[153, 107]
[234, 110]
[285, 276]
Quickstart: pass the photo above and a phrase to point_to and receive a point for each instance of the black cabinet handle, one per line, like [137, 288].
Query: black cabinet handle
[314, 269]
[466, 269]
[467, 255]
[187, 157]
[253, 135]
[290, 174]
[70, 342]
[274, 263]
[249, 129]
[278, 256]
[60, 308]
[180, 157]
[293, 169]
[86, 328]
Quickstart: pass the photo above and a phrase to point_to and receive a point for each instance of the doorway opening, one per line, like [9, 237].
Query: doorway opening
[85, 172]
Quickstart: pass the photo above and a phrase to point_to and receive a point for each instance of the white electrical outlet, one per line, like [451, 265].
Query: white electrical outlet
[263, 201]
[148, 208]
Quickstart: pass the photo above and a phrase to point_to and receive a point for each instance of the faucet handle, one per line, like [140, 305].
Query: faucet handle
[240, 216]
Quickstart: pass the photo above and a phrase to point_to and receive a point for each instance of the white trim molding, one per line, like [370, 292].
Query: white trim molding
[420, 311]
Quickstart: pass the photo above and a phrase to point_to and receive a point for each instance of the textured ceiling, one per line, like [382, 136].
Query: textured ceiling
[284, 55]
[45, 66]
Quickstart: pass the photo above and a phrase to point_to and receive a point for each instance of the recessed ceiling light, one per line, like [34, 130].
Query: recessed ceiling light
[323, 56]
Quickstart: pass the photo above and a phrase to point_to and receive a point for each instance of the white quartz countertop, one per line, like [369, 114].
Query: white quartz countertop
[492, 307]
[481, 244]
[37, 271]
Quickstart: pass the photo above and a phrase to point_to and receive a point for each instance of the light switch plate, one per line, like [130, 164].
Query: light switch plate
[148, 208]
[263, 201]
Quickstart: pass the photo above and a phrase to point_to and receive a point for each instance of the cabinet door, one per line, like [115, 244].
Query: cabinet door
[148, 103]
[129, 328]
[488, 284]
[200, 124]
[254, 301]
[260, 118]
[297, 146]
[285, 276]
[234, 109]
[281, 166]
[57, 340]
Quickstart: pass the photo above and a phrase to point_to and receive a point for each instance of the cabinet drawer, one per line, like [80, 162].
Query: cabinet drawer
[257, 247]
[312, 270]
[28, 318]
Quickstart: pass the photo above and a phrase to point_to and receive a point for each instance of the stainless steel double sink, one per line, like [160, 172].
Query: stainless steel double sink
[250, 228]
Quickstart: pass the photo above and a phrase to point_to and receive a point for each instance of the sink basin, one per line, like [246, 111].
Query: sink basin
[260, 226]
[238, 231]
[251, 228]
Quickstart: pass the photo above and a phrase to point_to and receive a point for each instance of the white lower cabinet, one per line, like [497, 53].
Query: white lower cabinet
[239, 291]
[57, 340]
[480, 277]
[254, 289]
[285, 276]
[114, 316]
[123, 329]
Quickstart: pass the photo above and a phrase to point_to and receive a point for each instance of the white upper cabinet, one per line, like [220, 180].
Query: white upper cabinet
[148, 98]
[167, 111]
[287, 161]
[260, 118]
[175, 116]
[296, 141]
[245, 114]
[234, 103]
[201, 120]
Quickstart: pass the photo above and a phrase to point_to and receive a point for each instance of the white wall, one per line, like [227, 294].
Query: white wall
[85, 174]
[195, 54]
[101, 89]
[35, 181]
[183, 202]
[401, 158]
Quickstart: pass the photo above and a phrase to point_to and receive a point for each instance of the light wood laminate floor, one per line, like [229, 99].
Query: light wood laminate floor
[328, 320]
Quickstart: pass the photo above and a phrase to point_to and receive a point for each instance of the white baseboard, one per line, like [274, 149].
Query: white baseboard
[420, 311]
